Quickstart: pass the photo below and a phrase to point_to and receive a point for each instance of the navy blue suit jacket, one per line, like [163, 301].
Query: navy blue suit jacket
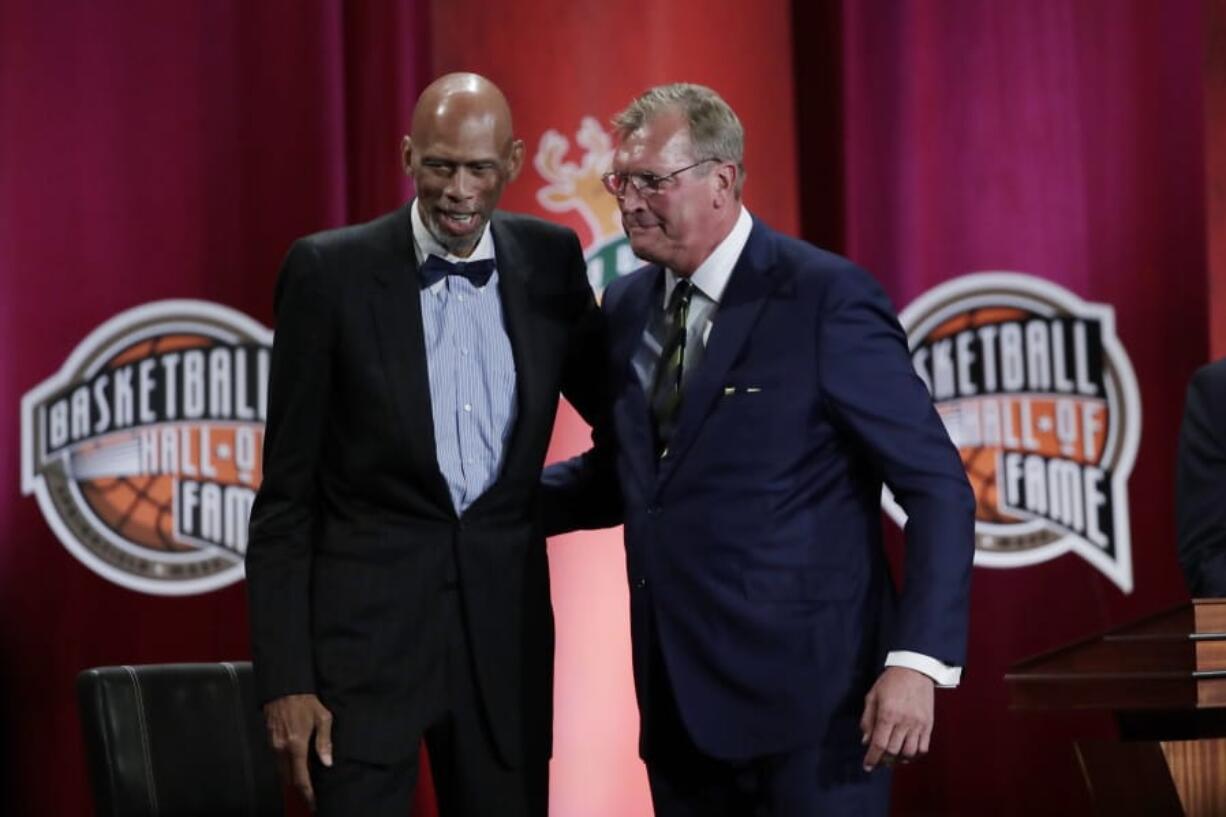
[1200, 494]
[754, 547]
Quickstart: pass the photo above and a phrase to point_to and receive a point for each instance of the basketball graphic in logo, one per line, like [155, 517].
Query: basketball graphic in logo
[1041, 401]
[145, 449]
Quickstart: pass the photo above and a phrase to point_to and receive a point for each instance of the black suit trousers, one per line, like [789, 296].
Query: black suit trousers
[469, 778]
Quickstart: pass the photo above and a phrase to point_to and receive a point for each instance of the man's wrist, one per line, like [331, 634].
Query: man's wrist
[942, 674]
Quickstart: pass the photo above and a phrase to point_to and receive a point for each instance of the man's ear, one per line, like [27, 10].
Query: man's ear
[724, 185]
[515, 162]
[406, 154]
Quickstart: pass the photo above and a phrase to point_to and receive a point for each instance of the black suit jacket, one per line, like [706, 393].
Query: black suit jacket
[353, 533]
[1200, 495]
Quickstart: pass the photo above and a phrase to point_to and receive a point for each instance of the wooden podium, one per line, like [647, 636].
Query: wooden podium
[1165, 679]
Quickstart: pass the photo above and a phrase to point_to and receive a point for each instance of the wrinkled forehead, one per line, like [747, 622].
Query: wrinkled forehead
[463, 134]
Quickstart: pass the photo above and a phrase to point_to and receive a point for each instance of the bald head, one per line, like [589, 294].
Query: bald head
[461, 153]
[462, 100]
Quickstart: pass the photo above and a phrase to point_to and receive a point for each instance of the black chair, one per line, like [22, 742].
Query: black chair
[177, 739]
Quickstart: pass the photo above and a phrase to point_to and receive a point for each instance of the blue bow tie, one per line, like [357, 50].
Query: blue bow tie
[435, 269]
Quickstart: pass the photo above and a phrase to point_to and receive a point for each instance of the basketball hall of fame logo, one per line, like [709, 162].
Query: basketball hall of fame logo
[1041, 401]
[144, 450]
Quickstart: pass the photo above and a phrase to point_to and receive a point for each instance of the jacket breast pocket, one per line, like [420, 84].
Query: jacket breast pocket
[741, 421]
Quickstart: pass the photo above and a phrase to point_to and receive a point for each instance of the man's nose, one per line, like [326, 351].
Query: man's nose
[631, 199]
[462, 184]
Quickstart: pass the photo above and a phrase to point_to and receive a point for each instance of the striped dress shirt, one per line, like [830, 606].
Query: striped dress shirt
[472, 371]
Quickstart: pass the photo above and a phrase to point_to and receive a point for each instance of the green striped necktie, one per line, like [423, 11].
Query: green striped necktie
[666, 388]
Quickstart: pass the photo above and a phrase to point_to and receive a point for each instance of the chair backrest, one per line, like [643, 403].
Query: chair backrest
[177, 739]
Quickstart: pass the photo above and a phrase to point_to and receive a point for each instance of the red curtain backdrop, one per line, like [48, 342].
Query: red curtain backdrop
[1064, 140]
[156, 150]
[1215, 169]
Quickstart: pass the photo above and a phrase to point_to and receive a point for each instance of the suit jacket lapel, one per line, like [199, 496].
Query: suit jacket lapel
[513, 289]
[753, 280]
[396, 307]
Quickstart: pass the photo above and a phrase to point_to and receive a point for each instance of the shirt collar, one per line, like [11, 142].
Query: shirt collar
[711, 277]
[424, 244]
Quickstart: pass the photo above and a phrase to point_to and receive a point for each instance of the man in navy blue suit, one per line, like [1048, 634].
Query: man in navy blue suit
[763, 394]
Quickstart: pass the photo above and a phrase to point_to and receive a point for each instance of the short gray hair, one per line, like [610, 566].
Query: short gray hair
[715, 130]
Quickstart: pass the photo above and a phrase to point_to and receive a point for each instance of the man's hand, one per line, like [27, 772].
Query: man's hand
[897, 720]
[291, 720]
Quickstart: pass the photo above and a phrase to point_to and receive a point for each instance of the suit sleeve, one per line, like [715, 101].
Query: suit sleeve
[283, 518]
[1200, 495]
[871, 386]
[583, 492]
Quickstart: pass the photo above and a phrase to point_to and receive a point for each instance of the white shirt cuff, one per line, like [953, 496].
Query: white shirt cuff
[941, 673]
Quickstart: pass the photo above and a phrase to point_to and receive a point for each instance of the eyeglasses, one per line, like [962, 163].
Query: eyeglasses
[645, 183]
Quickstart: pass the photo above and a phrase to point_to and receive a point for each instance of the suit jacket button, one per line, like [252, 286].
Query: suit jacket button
[654, 510]
[640, 583]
